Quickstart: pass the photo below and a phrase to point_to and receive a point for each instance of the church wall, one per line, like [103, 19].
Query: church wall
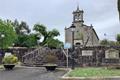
[93, 41]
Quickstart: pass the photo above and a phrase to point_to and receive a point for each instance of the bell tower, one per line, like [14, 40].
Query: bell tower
[78, 16]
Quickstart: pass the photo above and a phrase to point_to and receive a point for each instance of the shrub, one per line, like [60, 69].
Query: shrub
[10, 59]
[50, 58]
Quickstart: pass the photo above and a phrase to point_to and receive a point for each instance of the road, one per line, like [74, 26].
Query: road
[30, 74]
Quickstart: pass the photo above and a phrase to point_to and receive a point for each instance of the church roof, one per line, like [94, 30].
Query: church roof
[95, 33]
[92, 29]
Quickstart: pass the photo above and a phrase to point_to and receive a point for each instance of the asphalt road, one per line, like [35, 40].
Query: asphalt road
[30, 74]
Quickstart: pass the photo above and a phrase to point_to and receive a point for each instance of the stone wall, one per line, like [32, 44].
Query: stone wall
[18, 51]
[87, 56]
[96, 56]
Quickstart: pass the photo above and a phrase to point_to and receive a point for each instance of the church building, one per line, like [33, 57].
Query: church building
[83, 35]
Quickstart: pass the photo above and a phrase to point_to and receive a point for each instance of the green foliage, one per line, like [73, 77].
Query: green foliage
[54, 43]
[41, 29]
[26, 40]
[53, 33]
[19, 34]
[48, 36]
[104, 42]
[21, 28]
[117, 43]
[31, 40]
[6, 29]
[10, 59]
[113, 43]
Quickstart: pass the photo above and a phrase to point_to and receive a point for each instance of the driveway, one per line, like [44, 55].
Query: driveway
[24, 73]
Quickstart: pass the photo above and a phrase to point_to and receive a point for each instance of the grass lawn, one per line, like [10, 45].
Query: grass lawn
[94, 72]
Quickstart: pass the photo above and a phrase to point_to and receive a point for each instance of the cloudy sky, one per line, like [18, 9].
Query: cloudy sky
[58, 14]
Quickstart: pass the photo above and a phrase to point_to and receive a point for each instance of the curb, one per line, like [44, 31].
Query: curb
[92, 78]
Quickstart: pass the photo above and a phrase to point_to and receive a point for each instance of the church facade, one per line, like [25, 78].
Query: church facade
[83, 35]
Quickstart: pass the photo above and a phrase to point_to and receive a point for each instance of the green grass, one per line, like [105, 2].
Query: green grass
[94, 72]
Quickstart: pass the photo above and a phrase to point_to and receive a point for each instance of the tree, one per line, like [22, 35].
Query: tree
[104, 42]
[117, 43]
[54, 43]
[26, 40]
[7, 34]
[41, 29]
[48, 36]
[112, 43]
[21, 28]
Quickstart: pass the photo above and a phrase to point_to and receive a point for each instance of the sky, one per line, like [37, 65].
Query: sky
[102, 14]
